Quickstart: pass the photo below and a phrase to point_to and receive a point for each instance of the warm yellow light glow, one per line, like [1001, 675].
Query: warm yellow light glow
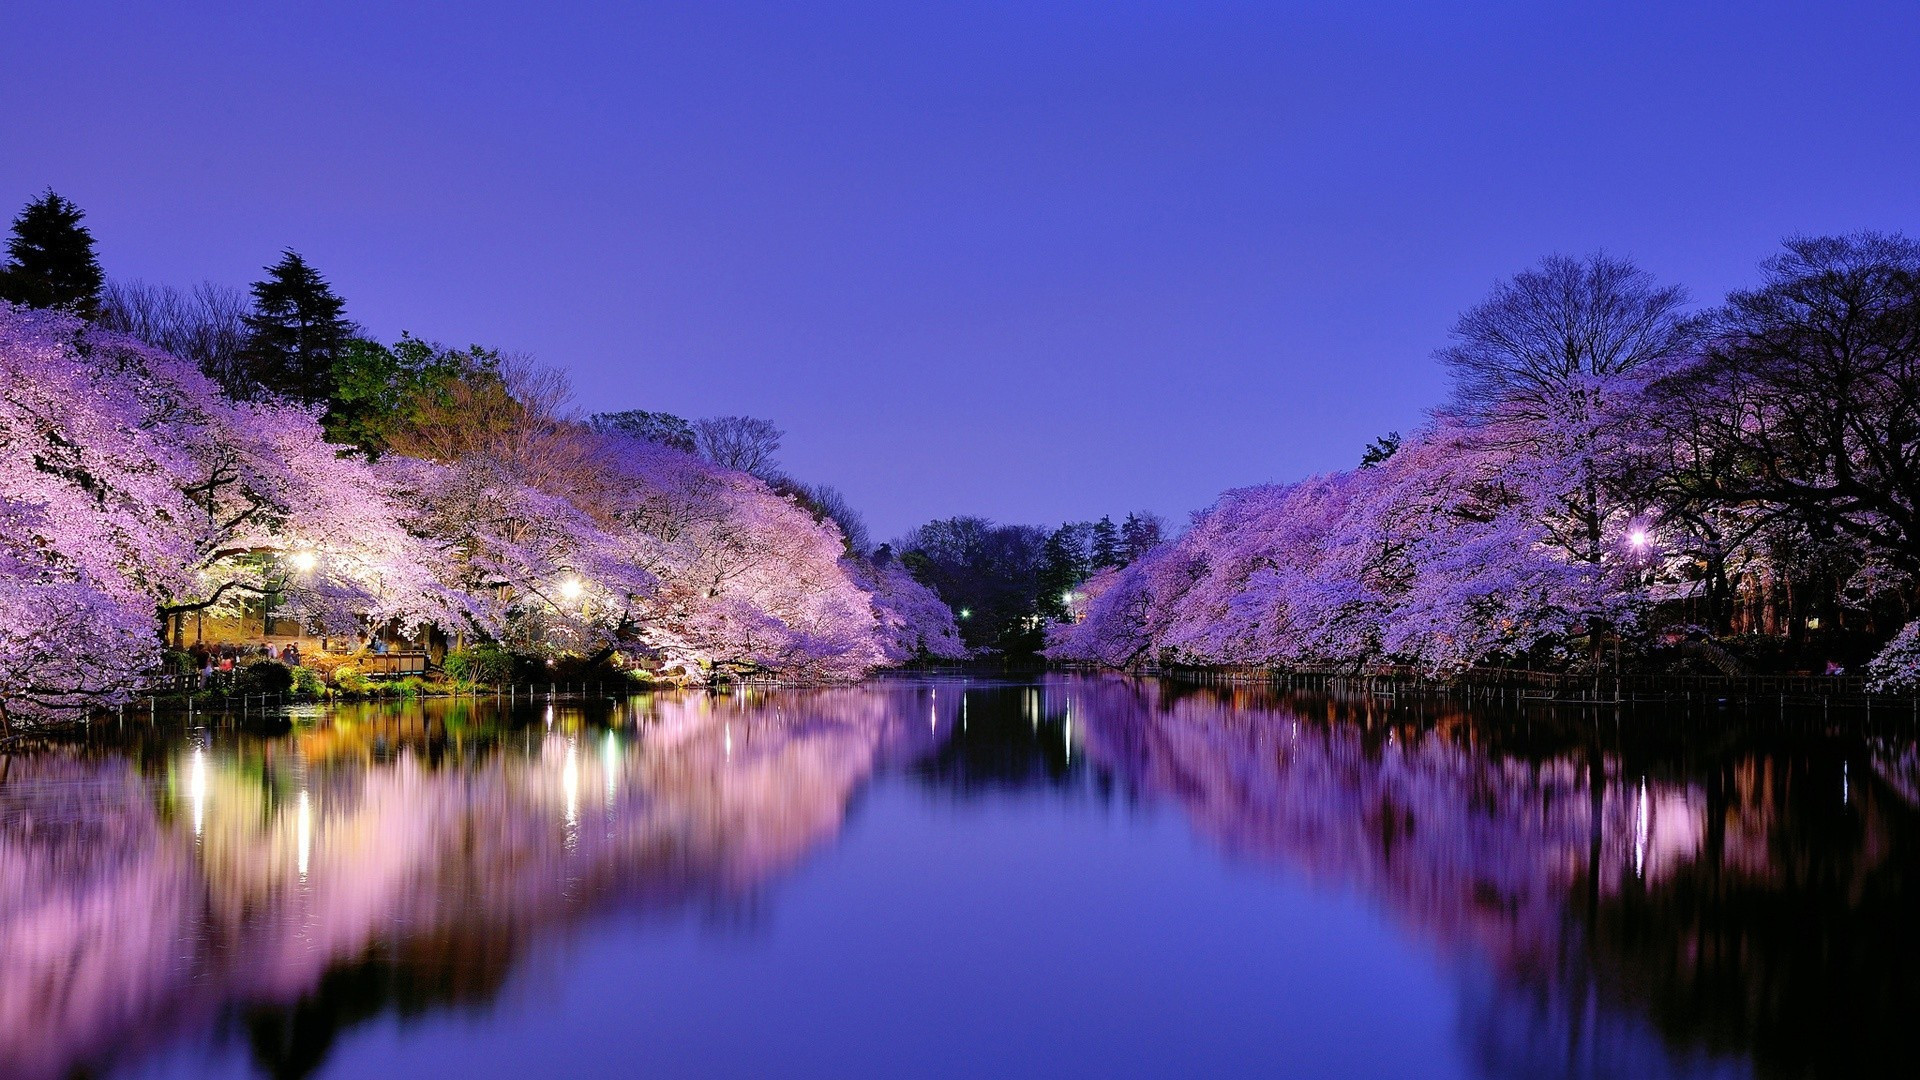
[303, 833]
[571, 588]
[197, 789]
[610, 765]
[570, 783]
[304, 561]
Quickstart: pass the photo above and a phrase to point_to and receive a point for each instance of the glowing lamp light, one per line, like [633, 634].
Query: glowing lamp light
[966, 613]
[1639, 539]
[304, 561]
[1066, 598]
[570, 589]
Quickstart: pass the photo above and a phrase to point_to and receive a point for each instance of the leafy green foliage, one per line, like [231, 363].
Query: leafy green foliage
[377, 389]
[307, 682]
[486, 664]
[351, 679]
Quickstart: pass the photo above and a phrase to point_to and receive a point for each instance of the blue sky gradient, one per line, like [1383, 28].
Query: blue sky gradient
[1032, 261]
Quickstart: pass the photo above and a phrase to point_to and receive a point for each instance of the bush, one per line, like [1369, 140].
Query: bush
[480, 664]
[325, 664]
[264, 677]
[351, 679]
[308, 682]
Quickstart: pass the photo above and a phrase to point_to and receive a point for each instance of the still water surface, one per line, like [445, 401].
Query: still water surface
[1094, 877]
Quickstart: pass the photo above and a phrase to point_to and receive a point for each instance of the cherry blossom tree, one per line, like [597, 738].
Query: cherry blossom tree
[913, 621]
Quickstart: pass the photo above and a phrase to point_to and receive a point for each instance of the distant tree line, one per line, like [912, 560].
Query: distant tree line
[1007, 582]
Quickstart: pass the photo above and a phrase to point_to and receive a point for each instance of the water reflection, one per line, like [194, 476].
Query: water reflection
[1641, 897]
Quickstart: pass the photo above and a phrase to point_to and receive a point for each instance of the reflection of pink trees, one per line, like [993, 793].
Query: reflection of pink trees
[132, 906]
[96, 898]
[1609, 903]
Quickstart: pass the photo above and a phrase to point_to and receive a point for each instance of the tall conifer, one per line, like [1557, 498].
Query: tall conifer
[50, 260]
[297, 331]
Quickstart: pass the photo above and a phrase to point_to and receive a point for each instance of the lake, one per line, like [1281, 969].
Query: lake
[944, 877]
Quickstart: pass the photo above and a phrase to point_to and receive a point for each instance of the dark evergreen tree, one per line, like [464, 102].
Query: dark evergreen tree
[297, 331]
[1380, 450]
[1106, 544]
[1139, 534]
[1067, 561]
[50, 260]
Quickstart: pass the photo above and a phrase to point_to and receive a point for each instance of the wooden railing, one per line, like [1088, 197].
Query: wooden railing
[1521, 683]
[384, 665]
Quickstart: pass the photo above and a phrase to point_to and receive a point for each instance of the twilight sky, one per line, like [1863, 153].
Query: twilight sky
[1030, 260]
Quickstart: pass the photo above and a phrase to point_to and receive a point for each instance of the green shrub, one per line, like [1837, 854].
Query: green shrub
[479, 664]
[351, 679]
[264, 677]
[308, 682]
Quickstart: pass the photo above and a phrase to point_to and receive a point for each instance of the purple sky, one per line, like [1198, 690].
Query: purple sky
[1033, 261]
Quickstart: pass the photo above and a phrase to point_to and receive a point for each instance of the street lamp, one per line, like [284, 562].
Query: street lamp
[304, 561]
[570, 589]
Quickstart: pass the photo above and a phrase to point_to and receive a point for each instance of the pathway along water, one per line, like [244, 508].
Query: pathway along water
[1074, 876]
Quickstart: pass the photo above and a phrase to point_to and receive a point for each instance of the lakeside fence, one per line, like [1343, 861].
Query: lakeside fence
[1519, 686]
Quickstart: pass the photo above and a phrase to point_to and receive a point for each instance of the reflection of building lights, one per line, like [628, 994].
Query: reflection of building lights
[570, 783]
[727, 734]
[610, 764]
[1640, 823]
[303, 833]
[197, 789]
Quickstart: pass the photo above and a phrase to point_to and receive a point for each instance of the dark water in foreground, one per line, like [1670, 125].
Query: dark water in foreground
[1075, 877]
